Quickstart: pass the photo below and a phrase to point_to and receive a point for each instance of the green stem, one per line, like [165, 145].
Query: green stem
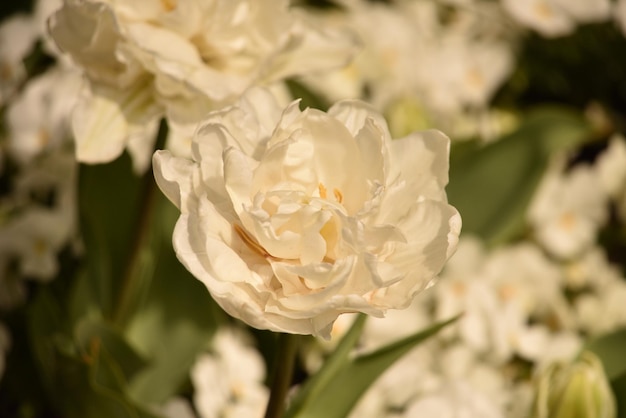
[283, 374]
[138, 272]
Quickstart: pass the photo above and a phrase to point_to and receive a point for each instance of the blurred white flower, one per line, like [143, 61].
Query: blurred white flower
[553, 18]
[602, 311]
[444, 69]
[34, 237]
[291, 218]
[17, 37]
[38, 119]
[591, 271]
[150, 58]
[567, 211]
[611, 166]
[177, 408]
[228, 383]
[455, 399]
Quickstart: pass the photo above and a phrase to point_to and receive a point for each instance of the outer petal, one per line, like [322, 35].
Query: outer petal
[331, 48]
[174, 177]
[90, 32]
[105, 118]
[418, 167]
[432, 230]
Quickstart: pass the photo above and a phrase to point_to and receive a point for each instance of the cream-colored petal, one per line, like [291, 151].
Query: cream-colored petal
[432, 230]
[173, 175]
[238, 172]
[419, 168]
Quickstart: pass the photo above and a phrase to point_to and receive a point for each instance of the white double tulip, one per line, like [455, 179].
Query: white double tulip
[291, 218]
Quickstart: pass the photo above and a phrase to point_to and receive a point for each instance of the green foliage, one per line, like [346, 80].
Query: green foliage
[308, 98]
[336, 388]
[125, 339]
[491, 185]
[610, 349]
[173, 320]
[109, 204]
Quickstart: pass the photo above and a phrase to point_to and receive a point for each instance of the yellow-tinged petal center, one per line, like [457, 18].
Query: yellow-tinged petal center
[169, 5]
[250, 242]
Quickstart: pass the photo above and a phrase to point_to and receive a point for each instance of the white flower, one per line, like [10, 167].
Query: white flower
[291, 218]
[602, 311]
[456, 399]
[229, 382]
[445, 67]
[17, 37]
[611, 169]
[35, 237]
[177, 407]
[146, 59]
[557, 17]
[567, 211]
[38, 119]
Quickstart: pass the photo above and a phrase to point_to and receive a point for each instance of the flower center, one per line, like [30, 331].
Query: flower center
[324, 193]
[169, 5]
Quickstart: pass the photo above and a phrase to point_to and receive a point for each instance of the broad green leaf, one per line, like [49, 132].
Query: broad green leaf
[80, 383]
[341, 390]
[610, 350]
[317, 383]
[492, 185]
[90, 332]
[109, 200]
[172, 322]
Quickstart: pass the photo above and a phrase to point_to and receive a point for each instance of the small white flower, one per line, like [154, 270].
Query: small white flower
[554, 18]
[17, 37]
[602, 311]
[291, 218]
[567, 211]
[455, 399]
[35, 236]
[229, 382]
[38, 119]
[177, 407]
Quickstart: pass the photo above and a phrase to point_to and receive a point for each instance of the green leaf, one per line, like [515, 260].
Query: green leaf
[340, 389]
[610, 349]
[172, 322]
[81, 380]
[90, 332]
[317, 383]
[109, 200]
[492, 185]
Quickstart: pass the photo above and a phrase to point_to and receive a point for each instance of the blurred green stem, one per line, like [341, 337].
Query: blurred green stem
[140, 265]
[283, 374]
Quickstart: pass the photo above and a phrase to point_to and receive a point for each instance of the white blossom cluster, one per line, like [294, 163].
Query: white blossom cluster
[38, 214]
